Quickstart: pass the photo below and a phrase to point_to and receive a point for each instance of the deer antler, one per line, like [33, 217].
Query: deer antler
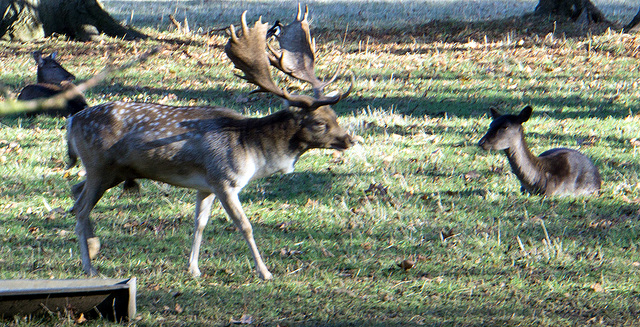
[296, 57]
[248, 53]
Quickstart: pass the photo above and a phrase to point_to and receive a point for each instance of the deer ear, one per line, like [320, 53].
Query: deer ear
[37, 56]
[525, 114]
[494, 112]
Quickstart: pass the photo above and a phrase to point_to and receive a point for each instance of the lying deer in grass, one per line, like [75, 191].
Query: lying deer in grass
[52, 80]
[557, 171]
[211, 149]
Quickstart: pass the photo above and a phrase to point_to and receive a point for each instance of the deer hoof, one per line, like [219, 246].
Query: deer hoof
[94, 246]
[195, 272]
[266, 275]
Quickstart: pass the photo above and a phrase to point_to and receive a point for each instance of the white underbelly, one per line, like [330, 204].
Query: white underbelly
[194, 181]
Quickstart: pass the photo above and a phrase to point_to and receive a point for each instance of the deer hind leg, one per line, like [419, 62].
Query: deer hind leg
[203, 211]
[231, 203]
[76, 190]
[92, 190]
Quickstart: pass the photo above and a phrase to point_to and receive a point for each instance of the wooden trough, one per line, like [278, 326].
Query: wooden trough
[113, 299]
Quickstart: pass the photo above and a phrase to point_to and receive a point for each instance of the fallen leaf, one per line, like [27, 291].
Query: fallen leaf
[591, 140]
[377, 189]
[602, 224]
[244, 320]
[286, 252]
[597, 287]
[327, 253]
[284, 225]
[63, 233]
[311, 203]
[628, 200]
[81, 319]
[446, 234]
[406, 264]
[472, 175]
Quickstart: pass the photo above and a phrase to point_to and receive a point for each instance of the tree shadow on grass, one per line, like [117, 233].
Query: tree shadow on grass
[457, 103]
[508, 29]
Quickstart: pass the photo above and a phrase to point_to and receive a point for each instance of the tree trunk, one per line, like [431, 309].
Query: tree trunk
[82, 20]
[577, 10]
[632, 26]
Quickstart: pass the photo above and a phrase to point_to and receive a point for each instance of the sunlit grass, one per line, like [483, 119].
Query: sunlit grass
[415, 188]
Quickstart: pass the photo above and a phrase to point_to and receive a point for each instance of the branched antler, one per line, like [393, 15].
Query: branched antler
[296, 57]
[249, 53]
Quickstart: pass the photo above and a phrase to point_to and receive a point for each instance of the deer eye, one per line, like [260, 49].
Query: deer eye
[319, 126]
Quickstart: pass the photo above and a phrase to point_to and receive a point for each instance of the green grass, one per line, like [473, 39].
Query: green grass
[416, 187]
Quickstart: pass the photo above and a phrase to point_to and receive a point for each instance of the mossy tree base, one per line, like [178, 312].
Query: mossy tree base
[82, 20]
[583, 11]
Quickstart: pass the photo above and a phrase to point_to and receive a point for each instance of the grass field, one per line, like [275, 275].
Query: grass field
[415, 188]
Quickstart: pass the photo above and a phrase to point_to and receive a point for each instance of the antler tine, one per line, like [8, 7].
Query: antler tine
[326, 101]
[306, 12]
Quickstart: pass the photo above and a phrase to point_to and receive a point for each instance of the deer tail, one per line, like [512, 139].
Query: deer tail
[71, 152]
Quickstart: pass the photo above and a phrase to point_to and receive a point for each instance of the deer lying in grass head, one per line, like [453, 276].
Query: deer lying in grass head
[211, 149]
[52, 80]
[557, 171]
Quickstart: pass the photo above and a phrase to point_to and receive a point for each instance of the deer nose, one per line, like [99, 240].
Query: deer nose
[348, 140]
[342, 143]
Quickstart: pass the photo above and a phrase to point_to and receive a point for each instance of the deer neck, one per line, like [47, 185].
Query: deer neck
[271, 142]
[527, 167]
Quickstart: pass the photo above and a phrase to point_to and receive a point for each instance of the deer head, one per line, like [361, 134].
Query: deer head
[49, 70]
[505, 130]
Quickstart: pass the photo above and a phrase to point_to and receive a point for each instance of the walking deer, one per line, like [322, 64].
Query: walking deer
[52, 79]
[558, 171]
[213, 150]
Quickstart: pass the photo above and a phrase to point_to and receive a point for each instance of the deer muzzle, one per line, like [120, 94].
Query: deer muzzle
[342, 143]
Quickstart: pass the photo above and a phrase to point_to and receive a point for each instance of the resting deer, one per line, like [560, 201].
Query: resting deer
[213, 150]
[52, 80]
[557, 171]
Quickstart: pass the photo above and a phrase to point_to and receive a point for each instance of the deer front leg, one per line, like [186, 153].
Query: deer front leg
[231, 203]
[203, 211]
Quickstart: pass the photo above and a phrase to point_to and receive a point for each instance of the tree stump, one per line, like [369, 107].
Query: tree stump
[583, 11]
[82, 20]
[633, 25]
